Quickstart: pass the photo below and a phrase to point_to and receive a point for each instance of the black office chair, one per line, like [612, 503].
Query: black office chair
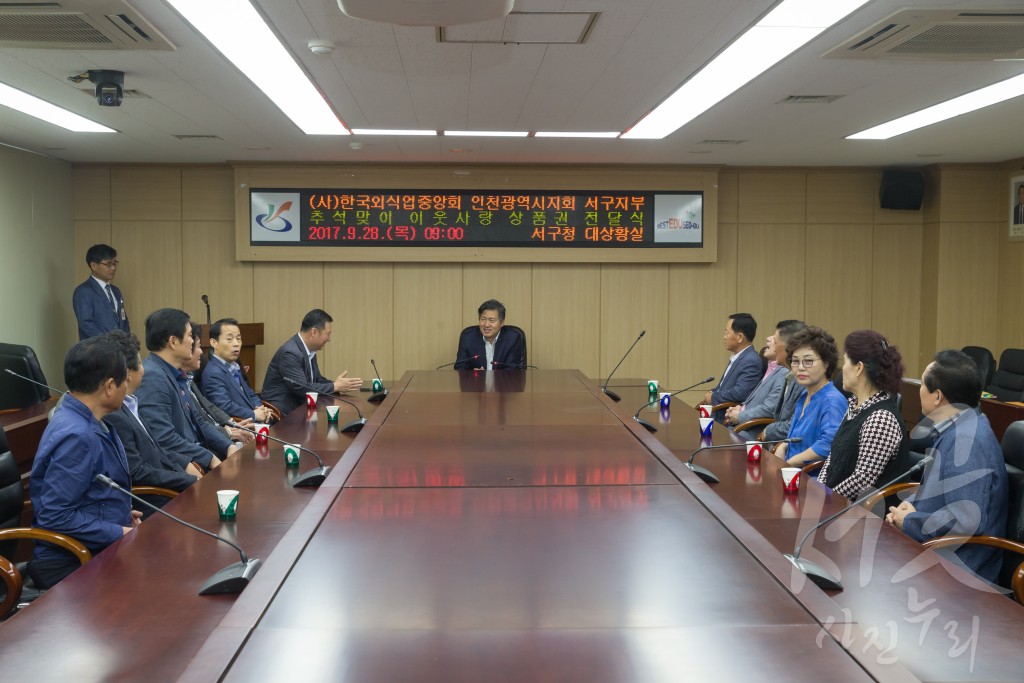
[985, 360]
[837, 380]
[1008, 381]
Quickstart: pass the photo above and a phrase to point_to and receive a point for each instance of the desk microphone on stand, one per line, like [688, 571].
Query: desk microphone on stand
[383, 393]
[230, 579]
[45, 386]
[611, 394]
[816, 572]
[710, 477]
[457, 360]
[353, 426]
[206, 300]
[647, 425]
[313, 477]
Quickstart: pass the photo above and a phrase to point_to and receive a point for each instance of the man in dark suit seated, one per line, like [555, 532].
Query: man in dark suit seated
[164, 404]
[744, 370]
[223, 381]
[293, 370]
[204, 410]
[148, 464]
[75, 447]
[485, 347]
[98, 304]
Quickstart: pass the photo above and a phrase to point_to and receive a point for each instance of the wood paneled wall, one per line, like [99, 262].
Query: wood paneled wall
[792, 243]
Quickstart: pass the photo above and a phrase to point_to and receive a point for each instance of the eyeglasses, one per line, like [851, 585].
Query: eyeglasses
[805, 363]
[109, 264]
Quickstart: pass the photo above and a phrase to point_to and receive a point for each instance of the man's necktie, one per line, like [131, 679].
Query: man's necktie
[110, 296]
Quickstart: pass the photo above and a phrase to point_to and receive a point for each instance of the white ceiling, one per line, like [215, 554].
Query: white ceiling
[638, 51]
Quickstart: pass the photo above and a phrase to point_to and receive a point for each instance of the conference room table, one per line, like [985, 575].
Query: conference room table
[511, 526]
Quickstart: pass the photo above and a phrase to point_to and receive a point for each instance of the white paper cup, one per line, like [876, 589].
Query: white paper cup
[332, 413]
[261, 432]
[227, 504]
[311, 397]
[791, 479]
[291, 454]
[705, 425]
[652, 386]
[664, 399]
[754, 450]
[704, 409]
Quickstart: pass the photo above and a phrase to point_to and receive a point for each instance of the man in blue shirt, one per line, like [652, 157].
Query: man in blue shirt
[75, 447]
[964, 491]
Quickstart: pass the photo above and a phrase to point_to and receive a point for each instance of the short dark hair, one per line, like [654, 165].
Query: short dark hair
[128, 345]
[197, 334]
[93, 361]
[100, 252]
[745, 324]
[162, 324]
[819, 341]
[881, 360]
[787, 328]
[492, 305]
[955, 374]
[215, 329]
[317, 318]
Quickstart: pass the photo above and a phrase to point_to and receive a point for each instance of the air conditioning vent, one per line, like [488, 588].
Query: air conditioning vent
[810, 99]
[78, 25]
[721, 142]
[198, 137]
[939, 35]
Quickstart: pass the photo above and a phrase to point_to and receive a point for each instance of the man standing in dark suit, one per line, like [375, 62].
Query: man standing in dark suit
[486, 347]
[98, 304]
[744, 370]
[293, 370]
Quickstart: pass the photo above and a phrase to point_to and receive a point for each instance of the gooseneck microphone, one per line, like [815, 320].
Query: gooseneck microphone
[45, 386]
[313, 477]
[707, 475]
[457, 360]
[353, 426]
[611, 394]
[230, 579]
[498, 365]
[206, 300]
[647, 425]
[383, 393]
[816, 572]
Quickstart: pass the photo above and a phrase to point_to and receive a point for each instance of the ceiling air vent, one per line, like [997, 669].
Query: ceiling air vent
[78, 25]
[938, 35]
[198, 137]
[810, 99]
[721, 142]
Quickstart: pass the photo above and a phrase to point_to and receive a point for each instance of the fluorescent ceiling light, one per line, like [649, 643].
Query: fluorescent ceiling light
[239, 32]
[993, 94]
[385, 131]
[782, 32]
[486, 133]
[569, 134]
[51, 113]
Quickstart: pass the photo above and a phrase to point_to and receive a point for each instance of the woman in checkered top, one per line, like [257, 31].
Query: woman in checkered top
[870, 445]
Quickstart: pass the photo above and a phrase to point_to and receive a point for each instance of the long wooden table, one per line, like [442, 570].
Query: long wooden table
[517, 526]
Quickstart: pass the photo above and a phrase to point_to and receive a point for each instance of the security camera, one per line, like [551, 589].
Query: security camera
[109, 87]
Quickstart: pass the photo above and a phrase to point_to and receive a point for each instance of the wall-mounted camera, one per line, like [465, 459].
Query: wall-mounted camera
[109, 87]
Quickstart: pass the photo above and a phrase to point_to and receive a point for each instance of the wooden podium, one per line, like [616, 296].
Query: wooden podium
[252, 336]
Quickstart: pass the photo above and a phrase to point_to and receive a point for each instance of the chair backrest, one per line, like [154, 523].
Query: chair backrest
[985, 360]
[837, 380]
[12, 495]
[14, 392]
[1008, 381]
[522, 334]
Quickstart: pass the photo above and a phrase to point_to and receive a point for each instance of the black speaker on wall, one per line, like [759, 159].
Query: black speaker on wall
[901, 190]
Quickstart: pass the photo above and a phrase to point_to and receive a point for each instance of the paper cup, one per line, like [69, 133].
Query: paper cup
[704, 409]
[332, 413]
[665, 399]
[705, 426]
[652, 386]
[753, 451]
[291, 455]
[790, 479]
[311, 397]
[377, 385]
[261, 432]
[227, 504]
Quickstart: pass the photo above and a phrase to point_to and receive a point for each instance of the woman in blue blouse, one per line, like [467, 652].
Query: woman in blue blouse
[820, 407]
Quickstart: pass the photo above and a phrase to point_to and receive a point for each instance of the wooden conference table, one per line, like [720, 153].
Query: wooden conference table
[509, 527]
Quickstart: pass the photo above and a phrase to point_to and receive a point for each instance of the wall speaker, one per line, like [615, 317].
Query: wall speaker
[901, 190]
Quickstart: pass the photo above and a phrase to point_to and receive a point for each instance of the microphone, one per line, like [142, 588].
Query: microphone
[46, 386]
[611, 394]
[353, 426]
[230, 579]
[707, 475]
[457, 360]
[814, 571]
[206, 300]
[383, 393]
[636, 416]
[497, 365]
[313, 477]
